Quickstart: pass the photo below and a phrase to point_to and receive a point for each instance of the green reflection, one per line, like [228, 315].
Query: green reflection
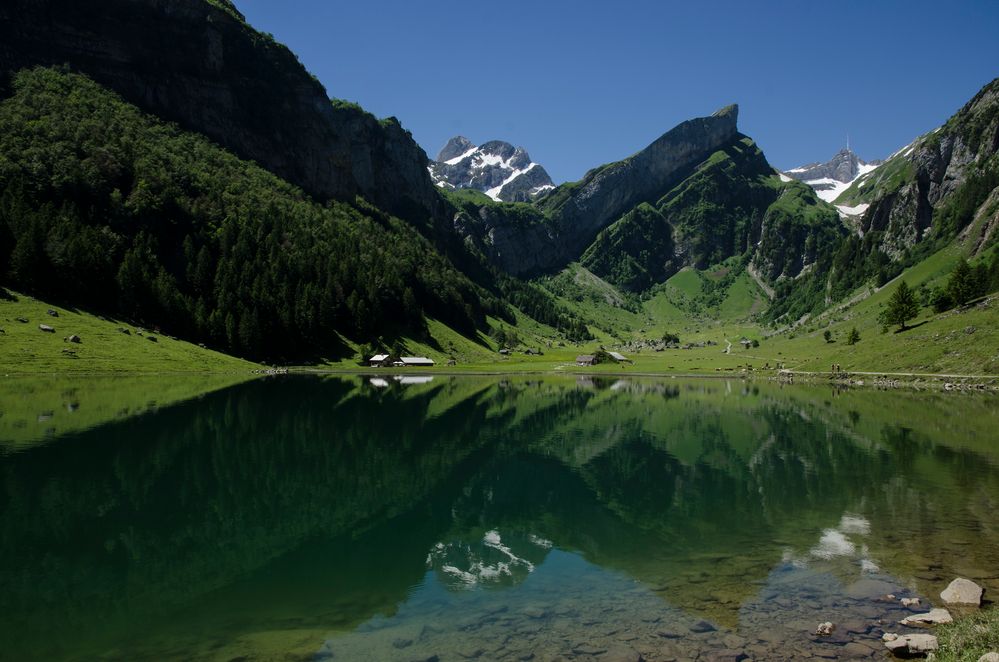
[268, 515]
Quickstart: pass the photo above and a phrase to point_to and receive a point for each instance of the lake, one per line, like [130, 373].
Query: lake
[451, 518]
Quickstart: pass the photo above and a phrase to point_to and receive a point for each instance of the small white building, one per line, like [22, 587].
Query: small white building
[378, 360]
[415, 361]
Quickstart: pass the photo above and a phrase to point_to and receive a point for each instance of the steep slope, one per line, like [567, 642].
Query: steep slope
[699, 195]
[497, 168]
[199, 64]
[105, 207]
[561, 224]
[940, 188]
[933, 187]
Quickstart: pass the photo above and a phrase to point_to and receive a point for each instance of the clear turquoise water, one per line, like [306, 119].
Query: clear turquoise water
[482, 518]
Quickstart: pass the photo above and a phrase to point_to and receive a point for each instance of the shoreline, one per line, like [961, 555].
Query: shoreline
[881, 380]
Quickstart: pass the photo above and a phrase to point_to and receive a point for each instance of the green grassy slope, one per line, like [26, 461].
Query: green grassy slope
[24, 348]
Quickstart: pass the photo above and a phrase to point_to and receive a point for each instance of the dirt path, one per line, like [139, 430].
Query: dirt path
[759, 281]
[728, 350]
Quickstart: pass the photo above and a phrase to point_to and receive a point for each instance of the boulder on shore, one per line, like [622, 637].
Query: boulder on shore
[910, 644]
[962, 592]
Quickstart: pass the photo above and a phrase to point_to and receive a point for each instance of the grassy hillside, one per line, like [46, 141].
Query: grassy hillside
[25, 349]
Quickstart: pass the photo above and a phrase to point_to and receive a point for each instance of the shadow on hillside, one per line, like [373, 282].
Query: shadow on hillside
[910, 328]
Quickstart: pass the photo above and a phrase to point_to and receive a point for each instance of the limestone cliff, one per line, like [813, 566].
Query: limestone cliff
[933, 187]
[566, 221]
[199, 64]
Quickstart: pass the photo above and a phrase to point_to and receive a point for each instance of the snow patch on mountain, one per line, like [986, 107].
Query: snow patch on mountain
[832, 178]
[498, 169]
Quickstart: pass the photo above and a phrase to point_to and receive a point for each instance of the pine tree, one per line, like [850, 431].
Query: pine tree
[902, 307]
[854, 337]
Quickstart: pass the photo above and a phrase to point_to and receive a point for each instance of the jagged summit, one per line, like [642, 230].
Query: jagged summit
[831, 178]
[497, 168]
[455, 147]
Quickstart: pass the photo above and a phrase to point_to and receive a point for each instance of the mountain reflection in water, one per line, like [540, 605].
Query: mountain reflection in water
[381, 519]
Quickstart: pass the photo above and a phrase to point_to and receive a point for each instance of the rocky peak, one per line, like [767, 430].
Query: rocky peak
[454, 148]
[497, 168]
[831, 178]
[843, 167]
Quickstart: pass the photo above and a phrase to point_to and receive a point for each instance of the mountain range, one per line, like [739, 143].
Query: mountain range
[219, 193]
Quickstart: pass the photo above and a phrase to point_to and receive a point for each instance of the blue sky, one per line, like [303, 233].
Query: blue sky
[583, 83]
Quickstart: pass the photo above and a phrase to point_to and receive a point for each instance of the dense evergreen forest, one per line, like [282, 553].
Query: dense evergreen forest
[107, 208]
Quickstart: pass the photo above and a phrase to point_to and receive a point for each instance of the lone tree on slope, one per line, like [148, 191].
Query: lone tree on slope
[902, 307]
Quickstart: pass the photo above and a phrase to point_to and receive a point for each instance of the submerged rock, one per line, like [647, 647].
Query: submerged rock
[702, 626]
[825, 629]
[962, 592]
[910, 602]
[932, 617]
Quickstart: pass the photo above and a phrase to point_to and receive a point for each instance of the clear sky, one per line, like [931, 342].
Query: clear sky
[582, 83]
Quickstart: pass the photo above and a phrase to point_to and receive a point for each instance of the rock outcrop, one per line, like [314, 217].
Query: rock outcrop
[607, 193]
[908, 199]
[843, 167]
[698, 195]
[199, 64]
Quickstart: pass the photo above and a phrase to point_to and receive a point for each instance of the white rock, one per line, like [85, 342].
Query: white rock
[962, 592]
[825, 629]
[912, 644]
[910, 602]
[932, 617]
[989, 657]
[889, 636]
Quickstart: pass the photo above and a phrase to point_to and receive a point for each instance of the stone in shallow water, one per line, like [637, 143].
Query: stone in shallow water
[724, 655]
[856, 649]
[702, 626]
[932, 617]
[588, 649]
[962, 592]
[620, 654]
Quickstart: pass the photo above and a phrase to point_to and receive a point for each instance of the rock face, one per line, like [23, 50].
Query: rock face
[605, 194]
[497, 168]
[953, 166]
[843, 167]
[197, 63]
[698, 195]
[962, 592]
[832, 177]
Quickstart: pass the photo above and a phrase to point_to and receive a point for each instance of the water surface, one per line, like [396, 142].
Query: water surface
[358, 518]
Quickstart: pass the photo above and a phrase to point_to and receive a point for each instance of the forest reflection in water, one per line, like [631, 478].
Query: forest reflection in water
[455, 516]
